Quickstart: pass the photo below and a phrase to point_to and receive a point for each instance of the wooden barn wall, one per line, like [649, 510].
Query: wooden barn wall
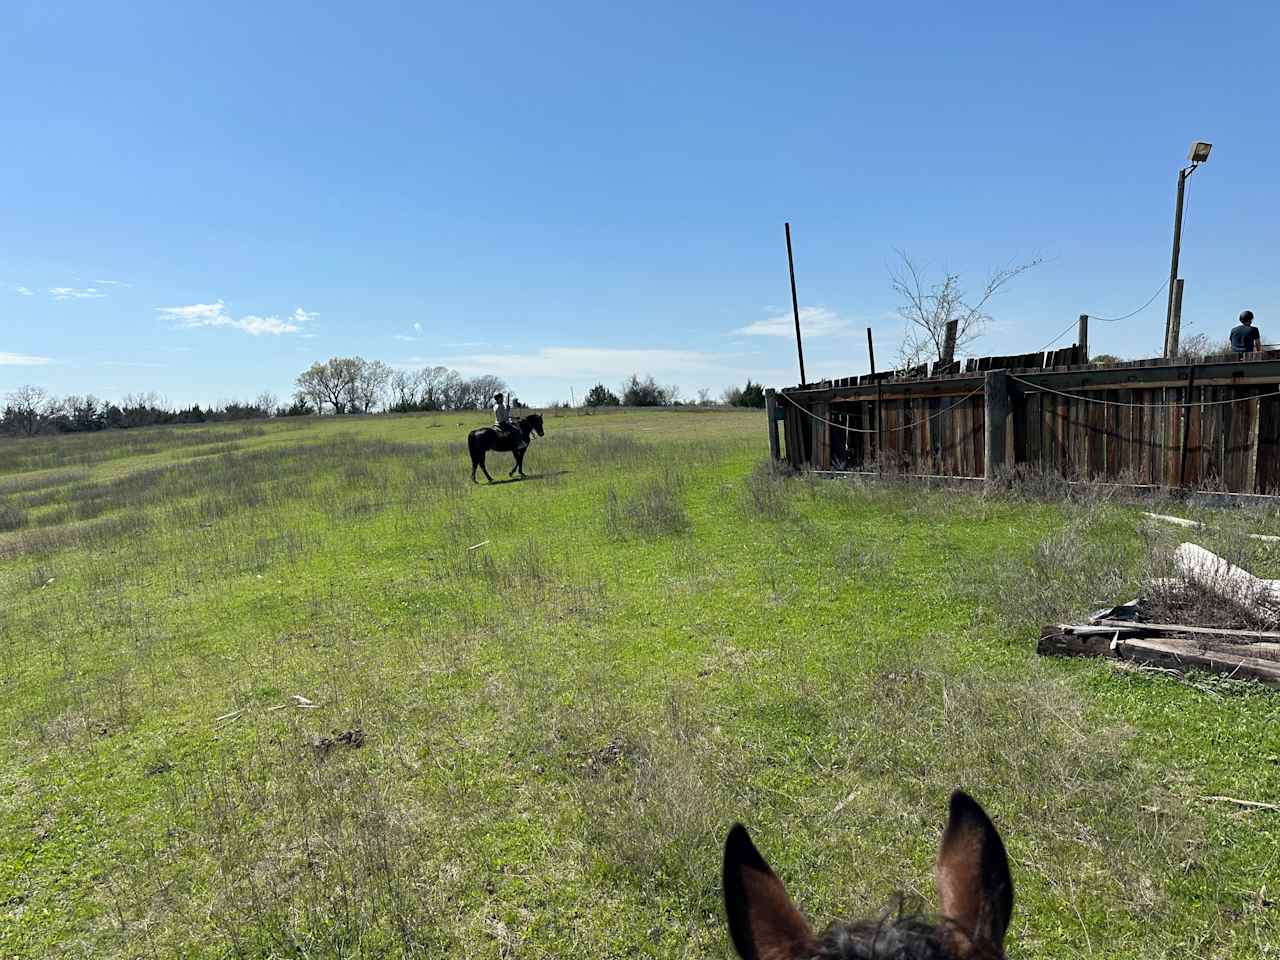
[1146, 435]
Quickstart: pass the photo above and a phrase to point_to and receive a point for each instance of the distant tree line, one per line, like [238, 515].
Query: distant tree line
[29, 410]
[339, 385]
[636, 392]
[646, 392]
[354, 385]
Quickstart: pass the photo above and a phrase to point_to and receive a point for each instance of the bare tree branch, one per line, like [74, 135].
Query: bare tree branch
[928, 310]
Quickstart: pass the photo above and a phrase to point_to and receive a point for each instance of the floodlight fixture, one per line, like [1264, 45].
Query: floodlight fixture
[1199, 151]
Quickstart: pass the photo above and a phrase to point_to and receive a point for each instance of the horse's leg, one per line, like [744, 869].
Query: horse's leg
[485, 469]
[517, 454]
[520, 460]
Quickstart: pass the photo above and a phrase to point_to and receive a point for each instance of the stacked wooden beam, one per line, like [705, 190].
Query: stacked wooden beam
[1121, 634]
[1171, 646]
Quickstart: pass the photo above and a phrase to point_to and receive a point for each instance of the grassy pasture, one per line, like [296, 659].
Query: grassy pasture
[531, 710]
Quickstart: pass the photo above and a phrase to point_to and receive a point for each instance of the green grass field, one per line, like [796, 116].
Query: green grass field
[298, 689]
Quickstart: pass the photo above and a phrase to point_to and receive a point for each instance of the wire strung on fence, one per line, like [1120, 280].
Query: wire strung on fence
[1146, 406]
[904, 426]
[1159, 290]
[1072, 325]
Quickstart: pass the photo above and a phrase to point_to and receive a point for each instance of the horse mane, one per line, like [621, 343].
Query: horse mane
[899, 934]
[890, 938]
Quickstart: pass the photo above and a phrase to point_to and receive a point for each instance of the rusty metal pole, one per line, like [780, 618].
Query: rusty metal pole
[795, 303]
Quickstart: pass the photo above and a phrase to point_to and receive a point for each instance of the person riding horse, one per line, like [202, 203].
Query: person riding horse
[506, 435]
[502, 421]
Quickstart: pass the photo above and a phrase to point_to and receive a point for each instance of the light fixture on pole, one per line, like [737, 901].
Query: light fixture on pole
[1198, 154]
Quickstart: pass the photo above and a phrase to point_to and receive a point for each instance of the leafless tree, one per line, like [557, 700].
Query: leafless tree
[24, 408]
[404, 389]
[267, 403]
[927, 308]
[452, 390]
[484, 387]
[431, 386]
[1199, 345]
[370, 387]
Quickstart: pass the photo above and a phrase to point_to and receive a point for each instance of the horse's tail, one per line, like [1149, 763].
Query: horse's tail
[475, 444]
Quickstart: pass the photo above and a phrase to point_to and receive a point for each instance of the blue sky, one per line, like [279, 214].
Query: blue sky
[201, 199]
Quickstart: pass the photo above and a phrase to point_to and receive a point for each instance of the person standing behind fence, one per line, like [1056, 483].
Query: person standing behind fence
[1245, 337]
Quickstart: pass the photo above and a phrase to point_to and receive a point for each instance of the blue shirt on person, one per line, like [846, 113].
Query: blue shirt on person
[1245, 337]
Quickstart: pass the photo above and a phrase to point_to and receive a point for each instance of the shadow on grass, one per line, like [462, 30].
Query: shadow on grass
[527, 476]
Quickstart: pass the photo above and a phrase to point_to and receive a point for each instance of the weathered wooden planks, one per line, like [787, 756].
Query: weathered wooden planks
[1149, 431]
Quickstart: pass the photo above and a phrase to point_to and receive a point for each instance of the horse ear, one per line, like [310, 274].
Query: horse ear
[974, 884]
[763, 923]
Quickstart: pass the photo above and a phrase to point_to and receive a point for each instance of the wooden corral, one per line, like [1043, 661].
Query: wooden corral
[1210, 423]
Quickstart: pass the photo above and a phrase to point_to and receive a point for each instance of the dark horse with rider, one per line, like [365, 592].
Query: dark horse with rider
[505, 436]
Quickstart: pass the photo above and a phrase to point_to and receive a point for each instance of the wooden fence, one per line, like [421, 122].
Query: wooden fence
[1213, 423]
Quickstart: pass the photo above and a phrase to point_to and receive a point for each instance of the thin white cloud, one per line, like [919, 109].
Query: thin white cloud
[112, 283]
[76, 293]
[269, 325]
[195, 315]
[415, 337]
[814, 322]
[22, 360]
[25, 291]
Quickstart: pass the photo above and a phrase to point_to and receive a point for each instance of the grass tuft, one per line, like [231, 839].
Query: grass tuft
[653, 510]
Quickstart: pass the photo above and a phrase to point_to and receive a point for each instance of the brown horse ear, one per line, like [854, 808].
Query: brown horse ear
[763, 922]
[974, 884]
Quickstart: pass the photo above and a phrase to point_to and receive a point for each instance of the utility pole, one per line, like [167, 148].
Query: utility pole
[1170, 337]
[795, 304]
[1173, 312]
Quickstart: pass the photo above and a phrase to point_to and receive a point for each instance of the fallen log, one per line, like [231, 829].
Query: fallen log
[1223, 578]
[1127, 642]
[1065, 640]
[1186, 654]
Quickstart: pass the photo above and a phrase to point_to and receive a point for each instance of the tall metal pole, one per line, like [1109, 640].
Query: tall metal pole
[871, 351]
[1171, 347]
[795, 304]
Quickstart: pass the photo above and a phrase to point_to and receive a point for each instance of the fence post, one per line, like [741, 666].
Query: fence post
[949, 341]
[995, 393]
[1082, 337]
[771, 413]
[1174, 327]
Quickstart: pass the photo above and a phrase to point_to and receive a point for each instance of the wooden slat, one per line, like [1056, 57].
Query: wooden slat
[1269, 444]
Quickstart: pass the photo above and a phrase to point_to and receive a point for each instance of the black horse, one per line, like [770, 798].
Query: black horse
[481, 441]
